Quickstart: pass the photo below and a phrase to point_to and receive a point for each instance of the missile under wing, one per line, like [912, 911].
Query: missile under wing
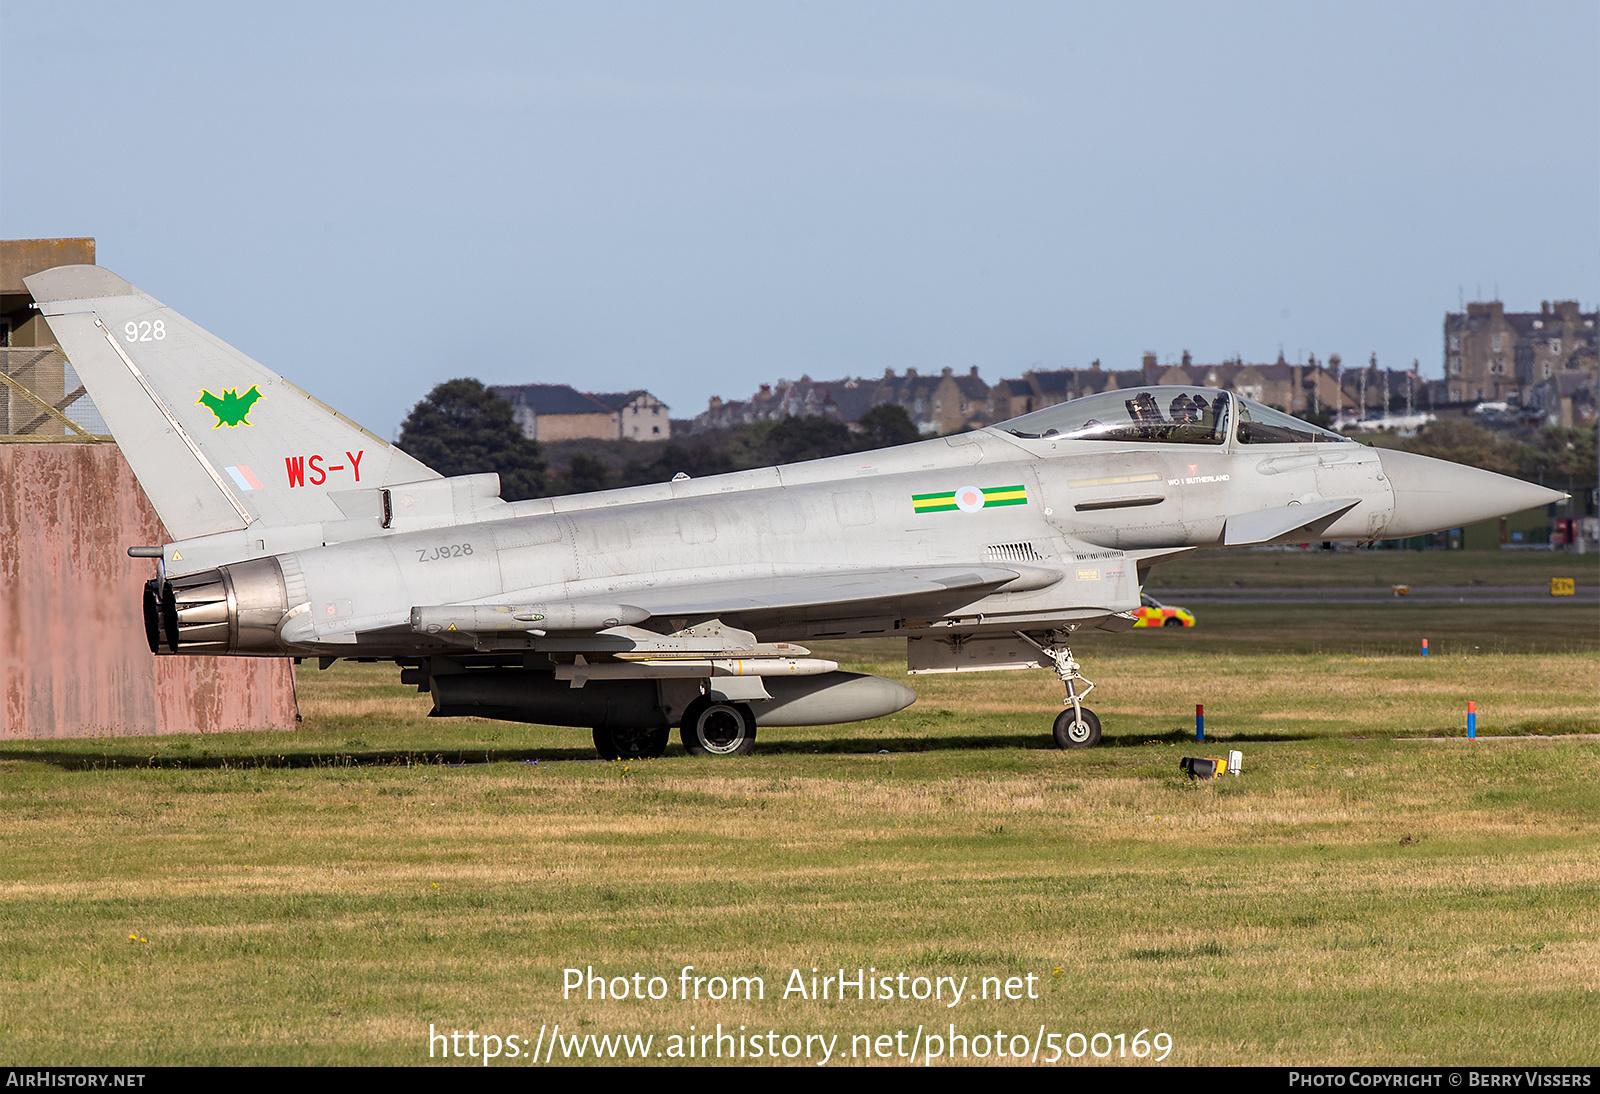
[686, 604]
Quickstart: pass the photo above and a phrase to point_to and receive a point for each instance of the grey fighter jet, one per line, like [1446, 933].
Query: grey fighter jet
[682, 604]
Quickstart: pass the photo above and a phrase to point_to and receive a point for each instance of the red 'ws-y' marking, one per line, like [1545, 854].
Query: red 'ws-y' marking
[295, 467]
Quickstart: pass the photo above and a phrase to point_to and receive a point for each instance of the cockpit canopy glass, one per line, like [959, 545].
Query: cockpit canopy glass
[1262, 425]
[1174, 415]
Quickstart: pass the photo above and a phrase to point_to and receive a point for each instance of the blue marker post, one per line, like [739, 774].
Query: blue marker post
[1200, 723]
[1424, 647]
[1472, 720]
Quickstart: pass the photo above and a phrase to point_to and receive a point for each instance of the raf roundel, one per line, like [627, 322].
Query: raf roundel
[969, 499]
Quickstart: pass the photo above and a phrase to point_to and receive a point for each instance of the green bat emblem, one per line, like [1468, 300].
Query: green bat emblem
[232, 408]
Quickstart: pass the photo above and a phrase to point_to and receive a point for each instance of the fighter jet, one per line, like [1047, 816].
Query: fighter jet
[683, 604]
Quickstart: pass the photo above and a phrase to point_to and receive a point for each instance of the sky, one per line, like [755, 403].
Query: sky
[696, 198]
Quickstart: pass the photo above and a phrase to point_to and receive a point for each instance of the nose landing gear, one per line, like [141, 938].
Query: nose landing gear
[1077, 726]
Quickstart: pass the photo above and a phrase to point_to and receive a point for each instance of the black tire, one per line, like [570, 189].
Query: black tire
[632, 744]
[1174, 621]
[712, 727]
[1085, 734]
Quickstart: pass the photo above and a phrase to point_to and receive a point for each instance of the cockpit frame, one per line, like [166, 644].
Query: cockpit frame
[1166, 414]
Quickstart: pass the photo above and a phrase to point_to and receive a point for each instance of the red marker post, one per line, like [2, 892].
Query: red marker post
[1200, 723]
[1424, 647]
[1472, 720]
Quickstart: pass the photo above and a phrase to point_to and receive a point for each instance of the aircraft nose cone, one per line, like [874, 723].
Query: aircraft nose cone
[1431, 495]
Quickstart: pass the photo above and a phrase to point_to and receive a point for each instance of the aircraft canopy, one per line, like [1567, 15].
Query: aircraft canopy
[1175, 415]
[1262, 425]
[1169, 414]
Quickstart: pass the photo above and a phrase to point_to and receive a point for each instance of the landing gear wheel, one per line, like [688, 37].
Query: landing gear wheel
[632, 744]
[1073, 732]
[1076, 727]
[712, 727]
[1173, 622]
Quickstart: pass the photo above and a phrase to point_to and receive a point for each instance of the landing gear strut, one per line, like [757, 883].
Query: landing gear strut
[1077, 726]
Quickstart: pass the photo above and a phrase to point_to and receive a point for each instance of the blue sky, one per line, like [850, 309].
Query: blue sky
[695, 198]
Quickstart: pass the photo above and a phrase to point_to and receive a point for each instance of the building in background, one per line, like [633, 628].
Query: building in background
[834, 400]
[946, 403]
[1543, 363]
[1037, 389]
[1310, 389]
[560, 412]
[936, 404]
[640, 415]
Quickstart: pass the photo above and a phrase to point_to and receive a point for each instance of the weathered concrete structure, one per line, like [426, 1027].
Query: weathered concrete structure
[36, 401]
[73, 657]
[72, 643]
[20, 325]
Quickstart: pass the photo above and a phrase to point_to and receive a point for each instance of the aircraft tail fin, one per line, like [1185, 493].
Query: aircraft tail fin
[216, 440]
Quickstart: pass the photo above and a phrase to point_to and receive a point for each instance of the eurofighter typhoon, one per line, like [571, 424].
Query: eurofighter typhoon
[682, 604]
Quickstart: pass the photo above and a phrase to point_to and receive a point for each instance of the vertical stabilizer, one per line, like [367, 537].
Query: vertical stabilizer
[217, 441]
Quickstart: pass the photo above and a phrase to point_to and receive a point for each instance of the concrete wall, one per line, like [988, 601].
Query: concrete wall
[73, 657]
[18, 259]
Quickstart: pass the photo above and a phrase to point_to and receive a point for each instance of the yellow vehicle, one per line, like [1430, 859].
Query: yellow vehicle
[1153, 613]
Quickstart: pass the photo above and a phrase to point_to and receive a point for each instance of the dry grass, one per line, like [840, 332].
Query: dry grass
[322, 916]
[1143, 693]
[1343, 694]
[321, 897]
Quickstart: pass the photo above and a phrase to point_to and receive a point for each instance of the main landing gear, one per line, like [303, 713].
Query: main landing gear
[710, 727]
[713, 727]
[631, 744]
[1077, 726]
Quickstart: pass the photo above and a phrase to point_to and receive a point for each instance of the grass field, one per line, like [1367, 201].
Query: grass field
[1373, 889]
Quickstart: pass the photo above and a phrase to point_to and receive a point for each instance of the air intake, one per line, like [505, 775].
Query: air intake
[1014, 552]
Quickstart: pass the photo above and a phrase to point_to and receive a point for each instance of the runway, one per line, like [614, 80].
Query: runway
[1463, 594]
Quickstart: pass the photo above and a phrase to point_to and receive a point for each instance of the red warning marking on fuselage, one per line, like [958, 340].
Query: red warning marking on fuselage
[314, 469]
